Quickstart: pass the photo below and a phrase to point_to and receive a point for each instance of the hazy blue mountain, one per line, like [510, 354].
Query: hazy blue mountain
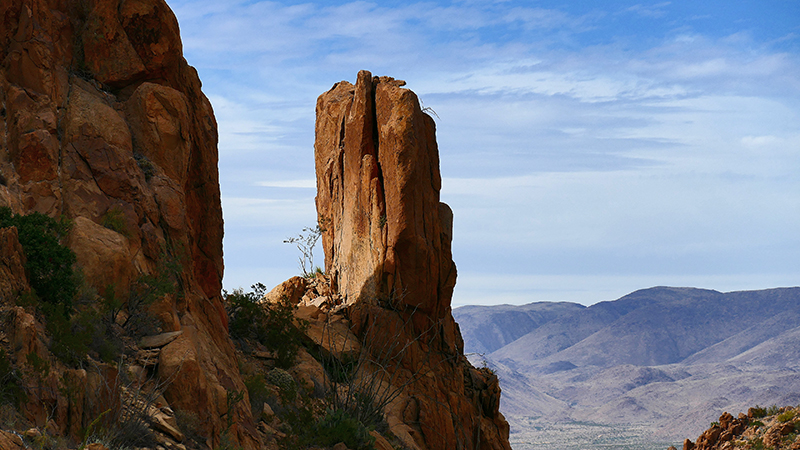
[656, 326]
[487, 328]
[672, 359]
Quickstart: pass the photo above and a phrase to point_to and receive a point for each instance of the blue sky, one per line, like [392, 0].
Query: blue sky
[588, 149]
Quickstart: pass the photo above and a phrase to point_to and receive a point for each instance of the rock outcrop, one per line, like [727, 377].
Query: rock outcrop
[777, 429]
[387, 252]
[102, 121]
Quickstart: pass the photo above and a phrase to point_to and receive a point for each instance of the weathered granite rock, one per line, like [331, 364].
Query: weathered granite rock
[387, 236]
[12, 266]
[101, 116]
[291, 290]
[10, 441]
[387, 249]
[159, 340]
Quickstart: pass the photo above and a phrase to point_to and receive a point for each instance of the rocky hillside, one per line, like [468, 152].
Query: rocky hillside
[674, 358]
[761, 428]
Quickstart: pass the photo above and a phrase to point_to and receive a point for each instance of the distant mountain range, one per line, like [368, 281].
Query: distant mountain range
[671, 358]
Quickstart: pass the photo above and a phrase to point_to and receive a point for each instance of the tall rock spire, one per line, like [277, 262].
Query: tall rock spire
[387, 248]
[387, 236]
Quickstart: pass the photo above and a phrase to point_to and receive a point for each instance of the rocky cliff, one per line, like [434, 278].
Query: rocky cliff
[387, 240]
[103, 122]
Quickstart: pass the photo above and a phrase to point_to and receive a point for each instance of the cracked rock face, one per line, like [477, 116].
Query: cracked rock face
[101, 117]
[387, 252]
[387, 236]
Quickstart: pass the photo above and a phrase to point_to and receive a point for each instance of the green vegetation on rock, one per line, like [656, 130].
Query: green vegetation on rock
[49, 264]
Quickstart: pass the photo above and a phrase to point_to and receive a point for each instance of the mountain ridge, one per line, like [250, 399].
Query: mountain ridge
[671, 358]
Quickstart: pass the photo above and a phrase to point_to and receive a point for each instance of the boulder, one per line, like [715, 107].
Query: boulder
[103, 254]
[159, 340]
[291, 290]
[11, 441]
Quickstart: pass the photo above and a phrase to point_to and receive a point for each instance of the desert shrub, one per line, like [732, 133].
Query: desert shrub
[305, 243]
[758, 412]
[142, 293]
[82, 333]
[129, 408]
[786, 416]
[49, 264]
[337, 426]
[757, 444]
[47, 441]
[365, 385]
[284, 382]
[147, 166]
[272, 325]
[114, 219]
[772, 410]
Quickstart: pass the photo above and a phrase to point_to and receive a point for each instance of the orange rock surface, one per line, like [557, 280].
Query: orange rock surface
[387, 250]
[101, 115]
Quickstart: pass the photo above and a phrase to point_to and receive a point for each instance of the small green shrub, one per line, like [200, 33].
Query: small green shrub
[147, 166]
[340, 370]
[758, 412]
[337, 426]
[144, 291]
[49, 264]
[757, 444]
[757, 423]
[40, 366]
[284, 382]
[82, 333]
[272, 325]
[786, 416]
[114, 219]
[772, 410]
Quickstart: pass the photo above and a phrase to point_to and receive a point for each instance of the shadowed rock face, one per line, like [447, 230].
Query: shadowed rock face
[100, 114]
[387, 248]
